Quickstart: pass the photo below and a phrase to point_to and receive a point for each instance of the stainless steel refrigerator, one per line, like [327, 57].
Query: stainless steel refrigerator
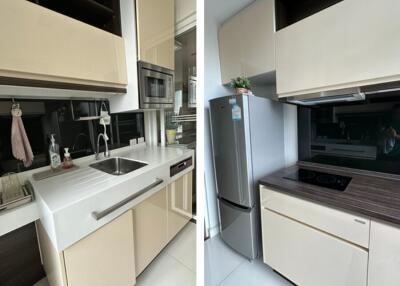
[248, 143]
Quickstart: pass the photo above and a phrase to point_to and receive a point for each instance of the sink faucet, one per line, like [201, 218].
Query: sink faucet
[106, 152]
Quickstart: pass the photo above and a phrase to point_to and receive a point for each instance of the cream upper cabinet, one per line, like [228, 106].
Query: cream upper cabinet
[352, 43]
[179, 204]
[40, 44]
[185, 15]
[384, 255]
[247, 42]
[150, 226]
[155, 22]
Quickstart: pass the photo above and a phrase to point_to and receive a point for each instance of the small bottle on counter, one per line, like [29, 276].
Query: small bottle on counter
[67, 163]
[54, 152]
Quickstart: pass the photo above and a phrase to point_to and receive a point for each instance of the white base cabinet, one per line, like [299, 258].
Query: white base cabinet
[311, 244]
[179, 204]
[158, 219]
[118, 252]
[150, 225]
[351, 43]
[384, 255]
[309, 257]
[247, 42]
[105, 257]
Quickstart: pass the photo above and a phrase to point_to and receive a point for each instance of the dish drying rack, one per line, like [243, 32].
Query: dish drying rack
[183, 118]
[16, 201]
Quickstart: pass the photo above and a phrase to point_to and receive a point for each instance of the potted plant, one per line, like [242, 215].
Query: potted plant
[241, 85]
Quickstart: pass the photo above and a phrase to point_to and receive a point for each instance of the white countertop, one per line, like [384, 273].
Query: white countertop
[61, 191]
[65, 203]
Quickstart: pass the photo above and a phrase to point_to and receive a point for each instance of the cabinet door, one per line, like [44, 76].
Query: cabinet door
[246, 42]
[185, 15]
[105, 257]
[41, 44]
[156, 31]
[150, 227]
[338, 48]
[179, 204]
[309, 257]
[384, 255]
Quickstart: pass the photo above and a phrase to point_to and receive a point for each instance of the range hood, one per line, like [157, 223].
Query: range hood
[343, 95]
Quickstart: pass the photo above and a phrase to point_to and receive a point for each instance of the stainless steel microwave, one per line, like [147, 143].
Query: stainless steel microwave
[156, 86]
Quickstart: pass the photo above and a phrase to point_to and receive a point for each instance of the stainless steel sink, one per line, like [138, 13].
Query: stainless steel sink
[118, 166]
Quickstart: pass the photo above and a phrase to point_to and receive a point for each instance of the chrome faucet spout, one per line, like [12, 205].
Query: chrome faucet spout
[106, 151]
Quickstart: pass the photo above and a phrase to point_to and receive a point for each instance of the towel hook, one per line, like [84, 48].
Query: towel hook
[15, 109]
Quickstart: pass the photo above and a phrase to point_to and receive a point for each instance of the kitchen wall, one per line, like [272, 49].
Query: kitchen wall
[215, 15]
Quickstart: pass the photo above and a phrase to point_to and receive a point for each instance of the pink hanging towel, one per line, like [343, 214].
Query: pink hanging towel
[21, 148]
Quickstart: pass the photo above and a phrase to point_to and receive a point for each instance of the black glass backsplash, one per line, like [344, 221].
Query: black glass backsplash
[361, 135]
[64, 118]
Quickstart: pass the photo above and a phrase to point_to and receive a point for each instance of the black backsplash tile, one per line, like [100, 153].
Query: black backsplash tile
[362, 127]
[44, 117]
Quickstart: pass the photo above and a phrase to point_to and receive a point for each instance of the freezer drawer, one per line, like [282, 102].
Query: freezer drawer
[238, 228]
[309, 257]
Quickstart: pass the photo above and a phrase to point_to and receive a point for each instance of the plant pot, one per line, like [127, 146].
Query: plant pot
[241, 90]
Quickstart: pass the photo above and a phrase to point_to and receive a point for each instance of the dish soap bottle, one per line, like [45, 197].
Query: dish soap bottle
[67, 159]
[54, 151]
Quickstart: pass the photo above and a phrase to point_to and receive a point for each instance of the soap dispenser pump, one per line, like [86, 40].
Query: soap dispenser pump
[54, 152]
[67, 159]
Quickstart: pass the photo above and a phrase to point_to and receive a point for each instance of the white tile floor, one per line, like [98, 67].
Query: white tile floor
[223, 267]
[175, 266]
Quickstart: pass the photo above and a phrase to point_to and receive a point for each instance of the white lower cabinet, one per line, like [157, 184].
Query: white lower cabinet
[159, 218]
[179, 204]
[150, 225]
[105, 257]
[119, 251]
[309, 257]
[311, 244]
[384, 260]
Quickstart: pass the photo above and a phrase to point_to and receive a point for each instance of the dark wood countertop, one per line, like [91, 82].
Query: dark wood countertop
[372, 196]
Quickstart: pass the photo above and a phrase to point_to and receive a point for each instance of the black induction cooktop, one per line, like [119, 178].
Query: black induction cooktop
[326, 180]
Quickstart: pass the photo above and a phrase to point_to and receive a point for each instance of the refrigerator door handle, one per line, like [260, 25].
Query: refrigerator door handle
[234, 205]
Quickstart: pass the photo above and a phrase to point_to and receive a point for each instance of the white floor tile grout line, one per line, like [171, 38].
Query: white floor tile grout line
[180, 262]
[230, 273]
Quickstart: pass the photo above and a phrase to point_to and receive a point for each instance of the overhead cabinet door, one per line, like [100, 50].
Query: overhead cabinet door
[155, 20]
[352, 43]
[40, 44]
[246, 42]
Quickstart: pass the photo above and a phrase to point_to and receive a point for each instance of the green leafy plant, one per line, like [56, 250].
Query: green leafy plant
[240, 82]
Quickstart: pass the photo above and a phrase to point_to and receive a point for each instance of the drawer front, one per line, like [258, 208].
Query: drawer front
[350, 227]
[309, 257]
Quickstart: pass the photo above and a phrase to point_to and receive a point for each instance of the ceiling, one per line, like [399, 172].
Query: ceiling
[222, 10]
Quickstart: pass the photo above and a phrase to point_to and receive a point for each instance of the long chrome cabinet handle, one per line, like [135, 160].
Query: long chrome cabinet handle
[101, 214]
